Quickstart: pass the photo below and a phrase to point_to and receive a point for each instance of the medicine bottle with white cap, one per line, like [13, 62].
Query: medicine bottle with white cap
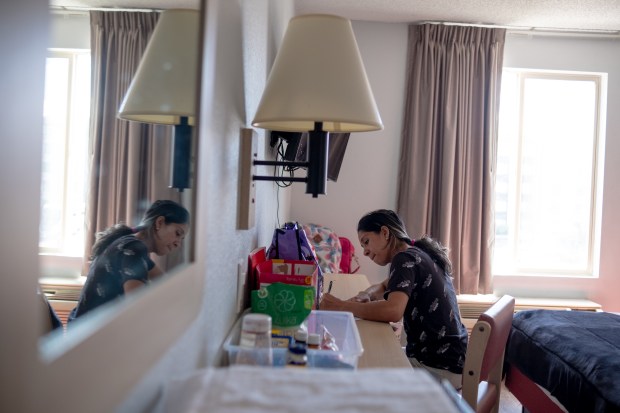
[255, 340]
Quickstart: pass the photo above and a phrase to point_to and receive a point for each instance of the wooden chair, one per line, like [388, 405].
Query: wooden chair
[482, 372]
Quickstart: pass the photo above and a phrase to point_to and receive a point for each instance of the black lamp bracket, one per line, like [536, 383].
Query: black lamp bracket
[292, 164]
[181, 156]
[316, 165]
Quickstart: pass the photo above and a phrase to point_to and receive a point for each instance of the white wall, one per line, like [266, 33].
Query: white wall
[70, 30]
[369, 171]
[368, 175]
[22, 75]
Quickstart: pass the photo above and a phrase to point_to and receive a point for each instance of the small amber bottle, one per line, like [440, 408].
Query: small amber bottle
[314, 341]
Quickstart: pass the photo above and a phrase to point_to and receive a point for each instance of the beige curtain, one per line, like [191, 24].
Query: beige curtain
[448, 149]
[130, 161]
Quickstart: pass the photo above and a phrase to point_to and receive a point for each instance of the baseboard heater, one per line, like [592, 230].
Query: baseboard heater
[472, 305]
[62, 298]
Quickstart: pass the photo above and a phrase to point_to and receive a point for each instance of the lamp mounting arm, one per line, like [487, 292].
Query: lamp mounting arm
[316, 178]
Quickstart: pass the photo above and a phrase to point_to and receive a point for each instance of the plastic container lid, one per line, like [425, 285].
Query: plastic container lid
[256, 323]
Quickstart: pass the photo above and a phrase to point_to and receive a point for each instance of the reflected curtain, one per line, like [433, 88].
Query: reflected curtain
[129, 161]
[448, 146]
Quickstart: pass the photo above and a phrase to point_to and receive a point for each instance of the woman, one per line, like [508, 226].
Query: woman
[418, 289]
[120, 259]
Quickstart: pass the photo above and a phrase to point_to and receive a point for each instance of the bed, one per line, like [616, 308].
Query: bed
[564, 361]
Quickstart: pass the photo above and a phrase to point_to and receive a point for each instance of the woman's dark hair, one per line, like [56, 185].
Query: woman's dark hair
[170, 210]
[373, 221]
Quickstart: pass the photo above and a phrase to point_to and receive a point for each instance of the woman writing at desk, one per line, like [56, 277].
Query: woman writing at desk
[120, 260]
[418, 289]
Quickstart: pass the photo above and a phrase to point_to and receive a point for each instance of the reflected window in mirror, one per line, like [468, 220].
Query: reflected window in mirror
[66, 142]
[66, 110]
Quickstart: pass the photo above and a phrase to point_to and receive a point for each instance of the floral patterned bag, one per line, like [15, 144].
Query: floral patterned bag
[326, 245]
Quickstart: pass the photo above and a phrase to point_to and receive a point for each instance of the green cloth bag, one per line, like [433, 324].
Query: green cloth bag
[288, 305]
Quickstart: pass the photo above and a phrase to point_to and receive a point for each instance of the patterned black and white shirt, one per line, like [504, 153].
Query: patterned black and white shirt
[436, 337]
[127, 258]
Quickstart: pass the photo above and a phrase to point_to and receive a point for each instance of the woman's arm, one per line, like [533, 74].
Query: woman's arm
[373, 293]
[390, 310]
[131, 285]
[155, 272]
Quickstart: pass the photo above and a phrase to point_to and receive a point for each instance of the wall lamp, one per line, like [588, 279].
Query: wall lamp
[163, 90]
[317, 84]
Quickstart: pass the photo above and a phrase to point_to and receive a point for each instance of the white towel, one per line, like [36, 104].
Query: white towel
[244, 389]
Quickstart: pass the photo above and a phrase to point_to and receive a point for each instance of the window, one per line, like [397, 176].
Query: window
[549, 175]
[66, 112]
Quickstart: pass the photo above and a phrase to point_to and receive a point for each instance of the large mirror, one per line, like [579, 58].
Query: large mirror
[99, 170]
[67, 373]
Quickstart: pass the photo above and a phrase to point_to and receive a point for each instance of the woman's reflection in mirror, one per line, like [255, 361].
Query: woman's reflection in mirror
[120, 260]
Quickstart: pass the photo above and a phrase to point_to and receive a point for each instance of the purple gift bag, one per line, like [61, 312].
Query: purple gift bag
[291, 243]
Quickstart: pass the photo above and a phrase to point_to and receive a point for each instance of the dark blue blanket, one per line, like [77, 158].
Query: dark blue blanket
[575, 355]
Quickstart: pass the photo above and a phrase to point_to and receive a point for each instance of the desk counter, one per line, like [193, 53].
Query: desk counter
[384, 380]
[381, 346]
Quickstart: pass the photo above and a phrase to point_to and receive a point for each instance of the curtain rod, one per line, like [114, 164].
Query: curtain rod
[549, 31]
[86, 10]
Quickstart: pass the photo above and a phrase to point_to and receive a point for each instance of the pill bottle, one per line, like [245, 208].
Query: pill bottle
[255, 340]
[314, 341]
[296, 356]
[301, 337]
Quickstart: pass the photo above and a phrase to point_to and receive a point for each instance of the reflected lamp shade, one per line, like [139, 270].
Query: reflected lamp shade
[318, 76]
[164, 87]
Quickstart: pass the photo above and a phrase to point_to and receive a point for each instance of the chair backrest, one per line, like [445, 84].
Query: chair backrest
[482, 372]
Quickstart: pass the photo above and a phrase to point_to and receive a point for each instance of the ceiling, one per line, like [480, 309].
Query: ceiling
[126, 4]
[568, 15]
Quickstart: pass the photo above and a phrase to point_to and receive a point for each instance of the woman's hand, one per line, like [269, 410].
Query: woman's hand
[361, 297]
[331, 303]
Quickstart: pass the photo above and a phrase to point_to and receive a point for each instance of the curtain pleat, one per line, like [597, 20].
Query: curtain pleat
[448, 146]
[129, 161]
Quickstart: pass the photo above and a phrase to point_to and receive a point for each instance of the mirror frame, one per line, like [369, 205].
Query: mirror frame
[96, 356]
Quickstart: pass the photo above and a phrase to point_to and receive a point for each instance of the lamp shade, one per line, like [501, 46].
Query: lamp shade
[164, 87]
[318, 76]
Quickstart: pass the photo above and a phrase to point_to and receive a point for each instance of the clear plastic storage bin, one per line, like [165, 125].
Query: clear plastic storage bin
[340, 324]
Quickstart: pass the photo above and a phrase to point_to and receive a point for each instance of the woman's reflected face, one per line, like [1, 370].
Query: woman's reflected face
[168, 237]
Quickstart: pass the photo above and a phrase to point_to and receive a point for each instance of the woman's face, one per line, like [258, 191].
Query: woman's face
[168, 237]
[376, 246]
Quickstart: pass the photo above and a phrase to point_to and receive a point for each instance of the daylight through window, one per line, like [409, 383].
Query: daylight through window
[66, 115]
[548, 180]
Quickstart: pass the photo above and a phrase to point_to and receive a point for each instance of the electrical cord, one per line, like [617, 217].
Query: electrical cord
[282, 172]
